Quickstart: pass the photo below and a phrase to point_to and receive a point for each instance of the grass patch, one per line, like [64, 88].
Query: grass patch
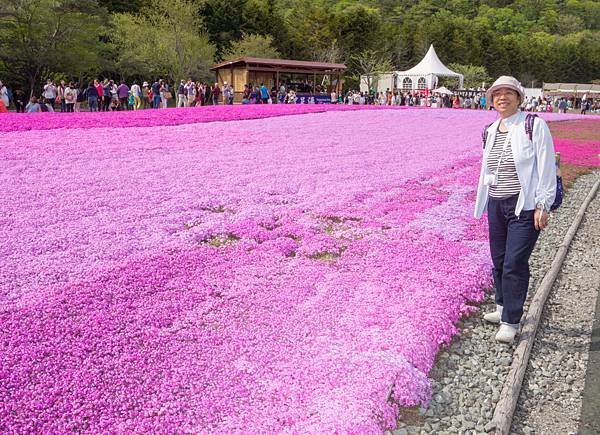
[327, 255]
[217, 209]
[222, 240]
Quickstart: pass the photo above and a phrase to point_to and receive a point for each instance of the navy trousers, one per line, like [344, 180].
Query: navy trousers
[512, 240]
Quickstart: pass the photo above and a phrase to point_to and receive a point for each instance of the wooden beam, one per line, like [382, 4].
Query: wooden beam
[505, 408]
[289, 70]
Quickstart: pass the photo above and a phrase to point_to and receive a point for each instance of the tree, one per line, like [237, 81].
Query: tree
[368, 66]
[223, 22]
[131, 6]
[356, 27]
[307, 23]
[329, 54]
[163, 40]
[41, 37]
[253, 46]
[474, 75]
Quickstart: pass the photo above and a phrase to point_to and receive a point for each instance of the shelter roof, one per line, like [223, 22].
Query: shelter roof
[281, 63]
[430, 64]
[571, 88]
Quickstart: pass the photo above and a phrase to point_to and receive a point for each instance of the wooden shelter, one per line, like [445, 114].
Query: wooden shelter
[569, 90]
[274, 72]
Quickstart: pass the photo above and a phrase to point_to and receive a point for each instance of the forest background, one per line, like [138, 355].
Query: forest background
[534, 40]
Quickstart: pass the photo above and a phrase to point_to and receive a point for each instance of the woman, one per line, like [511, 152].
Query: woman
[70, 97]
[517, 185]
[100, 90]
[33, 106]
[60, 98]
[165, 94]
[20, 101]
[4, 94]
[106, 96]
[80, 97]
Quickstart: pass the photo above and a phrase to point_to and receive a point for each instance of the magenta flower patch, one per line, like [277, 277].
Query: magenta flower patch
[281, 274]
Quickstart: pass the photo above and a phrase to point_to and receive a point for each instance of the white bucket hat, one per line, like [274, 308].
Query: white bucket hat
[506, 82]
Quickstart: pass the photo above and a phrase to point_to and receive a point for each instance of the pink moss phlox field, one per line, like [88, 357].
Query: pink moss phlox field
[579, 152]
[285, 274]
[148, 118]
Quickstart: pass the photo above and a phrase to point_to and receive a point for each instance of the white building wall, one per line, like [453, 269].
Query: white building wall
[385, 81]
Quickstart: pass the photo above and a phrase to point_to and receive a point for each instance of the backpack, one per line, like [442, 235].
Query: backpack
[529, 121]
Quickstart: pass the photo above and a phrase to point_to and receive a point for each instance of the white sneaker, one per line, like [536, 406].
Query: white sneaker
[495, 316]
[506, 333]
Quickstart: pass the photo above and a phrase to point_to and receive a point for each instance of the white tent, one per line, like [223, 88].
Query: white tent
[425, 74]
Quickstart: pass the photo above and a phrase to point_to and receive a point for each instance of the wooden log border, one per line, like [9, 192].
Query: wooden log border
[505, 408]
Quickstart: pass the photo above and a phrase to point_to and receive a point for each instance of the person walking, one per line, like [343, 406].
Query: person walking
[136, 92]
[145, 95]
[156, 94]
[181, 98]
[91, 93]
[106, 96]
[123, 93]
[264, 93]
[20, 101]
[165, 94]
[80, 97]
[60, 96]
[49, 93]
[70, 98]
[4, 94]
[199, 98]
[517, 186]
[227, 94]
[100, 89]
[216, 93]
[207, 95]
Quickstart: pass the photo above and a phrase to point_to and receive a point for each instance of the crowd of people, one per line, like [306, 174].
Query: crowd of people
[109, 95]
[476, 100]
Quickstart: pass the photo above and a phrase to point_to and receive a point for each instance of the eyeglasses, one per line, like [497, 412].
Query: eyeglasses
[502, 92]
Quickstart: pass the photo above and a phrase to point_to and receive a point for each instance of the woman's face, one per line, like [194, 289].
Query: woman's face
[506, 101]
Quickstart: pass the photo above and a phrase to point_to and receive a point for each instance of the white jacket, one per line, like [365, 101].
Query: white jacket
[534, 161]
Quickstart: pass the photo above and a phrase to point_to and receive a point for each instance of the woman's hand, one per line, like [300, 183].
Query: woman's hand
[540, 219]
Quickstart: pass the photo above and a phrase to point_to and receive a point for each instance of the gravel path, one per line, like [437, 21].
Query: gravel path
[469, 374]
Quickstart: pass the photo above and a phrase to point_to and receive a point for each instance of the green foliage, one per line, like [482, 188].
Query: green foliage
[227, 21]
[474, 75]
[253, 46]
[534, 40]
[131, 6]
[163, 41]
[42, 37]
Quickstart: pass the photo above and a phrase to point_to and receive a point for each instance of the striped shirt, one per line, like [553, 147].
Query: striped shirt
[508, 181]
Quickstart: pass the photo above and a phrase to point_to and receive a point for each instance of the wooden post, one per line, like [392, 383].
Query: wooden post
[505, 408]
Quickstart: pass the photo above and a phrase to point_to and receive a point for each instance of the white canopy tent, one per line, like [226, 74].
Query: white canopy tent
[425, 74]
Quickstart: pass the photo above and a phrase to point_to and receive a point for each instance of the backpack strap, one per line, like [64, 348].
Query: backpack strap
[529, 120]
[484, 134]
